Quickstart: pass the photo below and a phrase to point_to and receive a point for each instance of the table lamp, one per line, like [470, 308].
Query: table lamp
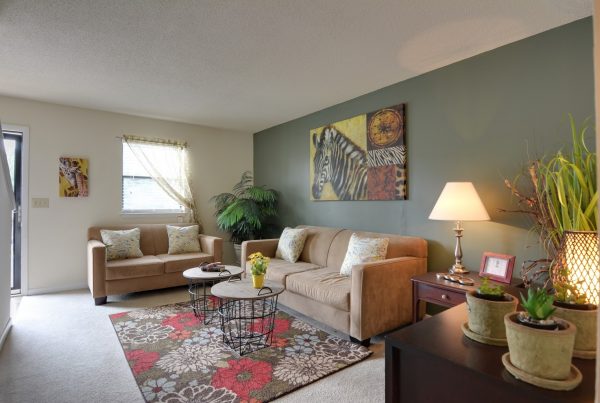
[458, 202]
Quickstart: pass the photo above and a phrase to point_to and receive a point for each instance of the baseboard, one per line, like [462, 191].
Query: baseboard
[5, 332]
[52, 290]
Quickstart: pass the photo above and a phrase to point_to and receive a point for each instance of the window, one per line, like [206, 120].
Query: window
[141, 193]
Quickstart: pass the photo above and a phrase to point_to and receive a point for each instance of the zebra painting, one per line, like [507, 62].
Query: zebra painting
[339, 161]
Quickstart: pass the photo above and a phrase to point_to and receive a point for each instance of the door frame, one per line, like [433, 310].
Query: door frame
[24, 130]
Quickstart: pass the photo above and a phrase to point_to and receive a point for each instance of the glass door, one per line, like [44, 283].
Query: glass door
[13, 143]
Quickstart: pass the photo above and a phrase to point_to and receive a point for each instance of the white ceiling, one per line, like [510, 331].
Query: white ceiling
[246, 64]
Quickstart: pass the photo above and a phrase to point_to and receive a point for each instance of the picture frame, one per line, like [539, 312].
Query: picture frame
[497, 267]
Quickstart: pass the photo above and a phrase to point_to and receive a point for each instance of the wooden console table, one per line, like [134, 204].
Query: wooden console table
[427, 288]
[432, 361]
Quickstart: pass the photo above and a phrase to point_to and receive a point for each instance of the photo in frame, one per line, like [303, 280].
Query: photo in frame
[497, 267]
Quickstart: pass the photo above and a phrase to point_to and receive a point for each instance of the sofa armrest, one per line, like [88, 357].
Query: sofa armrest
[267, 247]
[96, 262]
[381, 295]
[212, 245]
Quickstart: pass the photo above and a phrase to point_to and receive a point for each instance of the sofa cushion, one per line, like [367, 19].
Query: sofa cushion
[146, 235]
[132, 268]
[184, 261]
[325, 285]
[279, 269]
[183, 239]
[363, 250]
[121, 244]
[291, 243]
[316, 246]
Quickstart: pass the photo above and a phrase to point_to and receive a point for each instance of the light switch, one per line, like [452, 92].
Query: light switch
[40, 202]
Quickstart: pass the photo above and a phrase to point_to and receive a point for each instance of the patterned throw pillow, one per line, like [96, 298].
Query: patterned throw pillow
[363, 250]
[121, 244]
[291, 244]
[183, 239]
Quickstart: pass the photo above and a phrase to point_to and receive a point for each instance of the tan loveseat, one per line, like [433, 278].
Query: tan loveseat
[156, 269]
[377, 297]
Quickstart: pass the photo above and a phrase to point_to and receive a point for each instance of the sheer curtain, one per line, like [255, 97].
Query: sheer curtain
[167, 163]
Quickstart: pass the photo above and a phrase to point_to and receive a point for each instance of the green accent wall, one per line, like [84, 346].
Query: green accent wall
[476, 120]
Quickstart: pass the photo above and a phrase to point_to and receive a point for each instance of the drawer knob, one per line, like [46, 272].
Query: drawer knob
[444, 296]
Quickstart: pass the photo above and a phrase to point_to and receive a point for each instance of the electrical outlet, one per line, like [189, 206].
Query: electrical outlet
[179, 218]
[40, 202]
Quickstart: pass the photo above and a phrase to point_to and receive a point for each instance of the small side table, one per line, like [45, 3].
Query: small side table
[198, 281]
[427, 288]
[247, 314]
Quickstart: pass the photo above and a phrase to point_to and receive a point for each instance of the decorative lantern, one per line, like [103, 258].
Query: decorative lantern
[578, 263]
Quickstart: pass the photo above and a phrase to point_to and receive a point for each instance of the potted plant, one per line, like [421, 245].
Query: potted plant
[487, 306]
[540, 346]
[258, 268]
[573, 305]
[560, 194]
[245, 212]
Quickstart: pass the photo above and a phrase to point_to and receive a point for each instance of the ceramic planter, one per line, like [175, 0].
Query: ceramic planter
[486, 317]
[258, 280]
[586, 322]
[544, 354]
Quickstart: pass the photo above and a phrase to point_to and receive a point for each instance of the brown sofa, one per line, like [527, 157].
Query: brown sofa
[156, 269]
[377, 297]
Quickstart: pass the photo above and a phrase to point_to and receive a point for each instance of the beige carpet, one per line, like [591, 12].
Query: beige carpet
[62, 348]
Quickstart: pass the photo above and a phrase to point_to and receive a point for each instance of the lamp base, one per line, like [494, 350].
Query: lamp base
[458, 269]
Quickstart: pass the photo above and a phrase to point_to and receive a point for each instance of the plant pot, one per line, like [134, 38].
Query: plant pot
[258, 280]
[585, 319]
[237, 249]
[541, 353]
[486, 317]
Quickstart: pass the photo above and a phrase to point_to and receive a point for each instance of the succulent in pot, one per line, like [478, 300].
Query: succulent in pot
[487, 306]
[540, 346]
[538, 306]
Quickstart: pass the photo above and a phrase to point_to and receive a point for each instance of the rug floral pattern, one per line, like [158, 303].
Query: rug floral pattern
[175, 358]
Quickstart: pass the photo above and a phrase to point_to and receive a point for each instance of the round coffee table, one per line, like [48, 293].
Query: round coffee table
[198, 280]
[247, 314]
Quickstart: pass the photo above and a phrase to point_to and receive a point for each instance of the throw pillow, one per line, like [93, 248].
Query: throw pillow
[363, 250]
[290, 244]
[183, 239]
[121, 244]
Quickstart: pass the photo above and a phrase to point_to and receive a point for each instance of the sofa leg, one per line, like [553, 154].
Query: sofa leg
[100, 301]
[364, 343]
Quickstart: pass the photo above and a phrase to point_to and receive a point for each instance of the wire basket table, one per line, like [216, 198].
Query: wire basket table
[247, 314]
[205, 305]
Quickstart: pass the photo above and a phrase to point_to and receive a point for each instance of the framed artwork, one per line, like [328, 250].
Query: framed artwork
[73, 177]
[497, 267]
[360, 158]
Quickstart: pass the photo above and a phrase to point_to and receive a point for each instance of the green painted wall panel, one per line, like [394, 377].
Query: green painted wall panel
[475, 120]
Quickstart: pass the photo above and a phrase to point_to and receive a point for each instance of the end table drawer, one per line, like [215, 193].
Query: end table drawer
[444, 297]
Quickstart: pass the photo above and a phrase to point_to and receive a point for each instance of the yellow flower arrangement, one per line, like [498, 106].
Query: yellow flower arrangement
[258, 263]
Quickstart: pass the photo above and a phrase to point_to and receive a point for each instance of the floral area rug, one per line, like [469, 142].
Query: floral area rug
[175, 358]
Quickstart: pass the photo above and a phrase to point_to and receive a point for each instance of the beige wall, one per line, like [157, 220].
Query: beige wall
[57, 235]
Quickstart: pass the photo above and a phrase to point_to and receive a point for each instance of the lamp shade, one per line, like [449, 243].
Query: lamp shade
[459, 201]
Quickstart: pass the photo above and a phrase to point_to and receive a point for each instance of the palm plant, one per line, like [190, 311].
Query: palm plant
[245, 211]
[560, 194]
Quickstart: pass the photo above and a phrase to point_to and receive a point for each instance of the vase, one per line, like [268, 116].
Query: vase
[585, 320]
[486, 317]
[541, 353]
[258, 280]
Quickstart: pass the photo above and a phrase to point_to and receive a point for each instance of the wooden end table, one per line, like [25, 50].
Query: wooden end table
[427, 288]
